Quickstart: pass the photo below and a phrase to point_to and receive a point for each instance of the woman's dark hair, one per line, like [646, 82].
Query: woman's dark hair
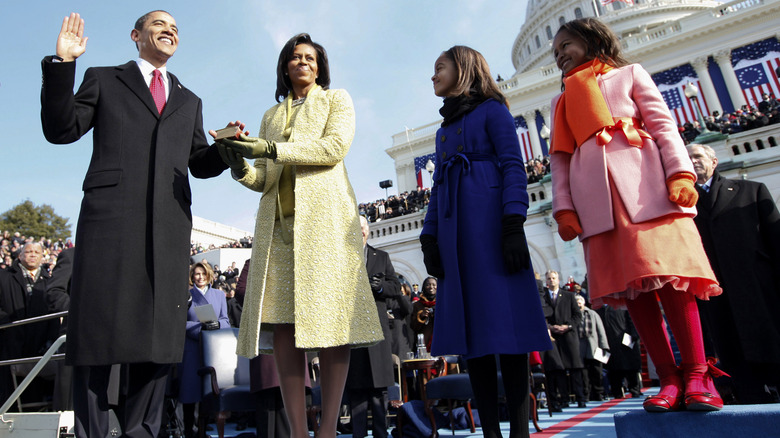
[283, 83]
[427, 279]
[599, 39]
[473, 74]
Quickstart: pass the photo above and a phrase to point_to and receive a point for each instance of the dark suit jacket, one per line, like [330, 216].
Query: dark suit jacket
[565, 311]
[129, 285]
[372, 367]
[740, 228]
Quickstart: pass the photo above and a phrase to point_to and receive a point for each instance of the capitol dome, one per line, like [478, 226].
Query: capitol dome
[532, 47]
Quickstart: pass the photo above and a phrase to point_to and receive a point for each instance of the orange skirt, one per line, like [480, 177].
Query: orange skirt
[635, 258]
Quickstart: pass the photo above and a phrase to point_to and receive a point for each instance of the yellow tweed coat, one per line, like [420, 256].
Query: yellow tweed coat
[333, 301]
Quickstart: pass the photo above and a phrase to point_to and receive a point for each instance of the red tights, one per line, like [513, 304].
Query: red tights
[683, 317]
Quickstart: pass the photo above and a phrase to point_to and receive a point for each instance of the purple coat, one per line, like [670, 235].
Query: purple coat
[580, 181]
[480, 176]
[190, 384]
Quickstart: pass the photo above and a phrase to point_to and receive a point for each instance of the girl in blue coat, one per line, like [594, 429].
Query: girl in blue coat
[473, 240]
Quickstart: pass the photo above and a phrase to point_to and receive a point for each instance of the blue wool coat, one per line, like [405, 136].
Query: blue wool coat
[190, 389]
[480, 176]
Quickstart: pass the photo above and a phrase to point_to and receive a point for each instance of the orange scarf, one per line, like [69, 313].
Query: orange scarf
[588, 111]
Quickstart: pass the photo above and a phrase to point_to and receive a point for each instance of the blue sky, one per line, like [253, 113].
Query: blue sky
[381, 52]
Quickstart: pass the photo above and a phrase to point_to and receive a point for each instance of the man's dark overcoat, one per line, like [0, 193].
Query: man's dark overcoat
[564, 312]
[740, 228]
[372, 367]
[129, 285]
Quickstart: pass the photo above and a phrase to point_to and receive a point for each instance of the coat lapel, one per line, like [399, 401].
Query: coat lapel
[723, 193]
[131, 76]
[176, 97]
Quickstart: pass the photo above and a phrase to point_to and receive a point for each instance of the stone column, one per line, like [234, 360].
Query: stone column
[545, 110]
[530, 120]
[723, 59]
[707, 88]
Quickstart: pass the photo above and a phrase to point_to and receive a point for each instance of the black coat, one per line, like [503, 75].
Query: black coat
[58, 287]
[565, 311]
[15, 304]
[617, 322]
[740, 229]
[372, 367]
[129, 285]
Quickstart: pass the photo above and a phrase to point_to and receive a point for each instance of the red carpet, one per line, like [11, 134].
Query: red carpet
[577, 419]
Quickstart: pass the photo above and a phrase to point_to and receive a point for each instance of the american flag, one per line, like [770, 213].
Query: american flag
[606, 2]
[755, 66]
[419, 166]
[525, 138]
[672, 83]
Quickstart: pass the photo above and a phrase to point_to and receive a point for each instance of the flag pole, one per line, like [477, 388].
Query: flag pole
[595, 8]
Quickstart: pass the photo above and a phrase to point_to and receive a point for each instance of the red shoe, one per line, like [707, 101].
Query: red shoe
[700, 376]
[670, 398]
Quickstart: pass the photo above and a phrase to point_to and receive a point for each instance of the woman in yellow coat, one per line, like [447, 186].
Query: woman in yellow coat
[308, 288]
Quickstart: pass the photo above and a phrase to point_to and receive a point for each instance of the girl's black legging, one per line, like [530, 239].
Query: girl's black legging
[483, 374]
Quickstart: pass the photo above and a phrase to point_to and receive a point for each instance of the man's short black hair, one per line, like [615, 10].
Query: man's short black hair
[139, 23]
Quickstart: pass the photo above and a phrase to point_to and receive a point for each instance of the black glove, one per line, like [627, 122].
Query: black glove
[209, 325]
[513, 243]
[376, 282]
[431, 256]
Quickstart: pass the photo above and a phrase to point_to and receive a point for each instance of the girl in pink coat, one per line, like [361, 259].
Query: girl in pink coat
[623, 183]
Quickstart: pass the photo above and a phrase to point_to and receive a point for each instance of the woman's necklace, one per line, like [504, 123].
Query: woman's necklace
[297, 102]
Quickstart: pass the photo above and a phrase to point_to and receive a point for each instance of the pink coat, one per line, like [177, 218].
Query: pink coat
[580, 181]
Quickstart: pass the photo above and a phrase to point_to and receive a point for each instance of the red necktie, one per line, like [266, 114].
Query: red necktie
[158, 90]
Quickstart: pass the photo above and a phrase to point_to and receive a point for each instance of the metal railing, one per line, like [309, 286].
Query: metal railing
[41, 360]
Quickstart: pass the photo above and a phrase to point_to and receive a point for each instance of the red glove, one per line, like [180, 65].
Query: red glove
[682, 190]
[568, 224]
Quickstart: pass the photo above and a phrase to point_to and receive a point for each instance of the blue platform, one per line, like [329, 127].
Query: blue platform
[732, 421]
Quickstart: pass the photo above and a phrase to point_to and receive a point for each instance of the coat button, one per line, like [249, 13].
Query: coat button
[460, 148]
[443, 155]
[460, 130]
[443, 138]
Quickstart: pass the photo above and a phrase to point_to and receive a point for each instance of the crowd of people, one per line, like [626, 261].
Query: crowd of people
[198, 248]
[743, 119]
[11, 244]
[416, 200]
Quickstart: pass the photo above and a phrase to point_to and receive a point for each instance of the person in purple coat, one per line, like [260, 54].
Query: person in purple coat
[190, 384]
[473, 240]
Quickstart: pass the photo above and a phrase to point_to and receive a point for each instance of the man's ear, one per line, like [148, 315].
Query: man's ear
[135, 37]
[715, 163]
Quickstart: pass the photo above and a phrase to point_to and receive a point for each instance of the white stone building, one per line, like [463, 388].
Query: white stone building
[715, 45]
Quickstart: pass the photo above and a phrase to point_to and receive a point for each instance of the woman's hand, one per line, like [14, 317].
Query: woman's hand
[251, 147]
[682, 190]
[568, 224]
[237, 163]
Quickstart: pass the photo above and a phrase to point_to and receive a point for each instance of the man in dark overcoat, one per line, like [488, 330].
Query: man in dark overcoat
[740, 228]
[562, 315]
[129, 284]
[22, 296]
[371, 368]
[625, 361]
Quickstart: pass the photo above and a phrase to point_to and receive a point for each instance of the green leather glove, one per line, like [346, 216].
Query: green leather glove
[236, 162]
[251, 147]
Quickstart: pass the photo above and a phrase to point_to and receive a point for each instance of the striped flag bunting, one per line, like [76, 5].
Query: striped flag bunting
[755, 66]
[419, 167]
[525, 138]
[672, 83]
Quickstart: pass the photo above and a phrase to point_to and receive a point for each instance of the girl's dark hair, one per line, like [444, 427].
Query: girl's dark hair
[600, 40]
[473, 74]
[283, 83]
